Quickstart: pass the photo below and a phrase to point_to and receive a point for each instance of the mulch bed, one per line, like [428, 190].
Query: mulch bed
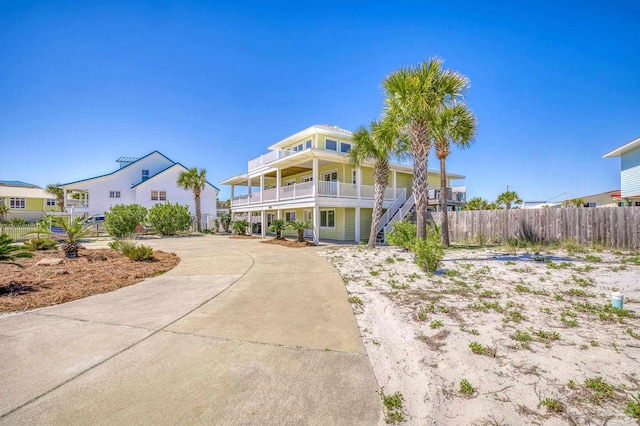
[94, 271]
[244, 237]
[288, 243]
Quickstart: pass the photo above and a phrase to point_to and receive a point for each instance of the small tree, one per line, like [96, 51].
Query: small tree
[122, 220]
[240, 227]
[55, 190]
[4, 211]
[74, 230]
[9, 253]
[403, 234]
[300, 226]
[225, 221]
[169, 219]
[277, 226]
[194, 180]
[428, 253]
[507, 198]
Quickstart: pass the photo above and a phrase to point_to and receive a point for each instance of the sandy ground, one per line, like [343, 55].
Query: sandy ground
[551, 352]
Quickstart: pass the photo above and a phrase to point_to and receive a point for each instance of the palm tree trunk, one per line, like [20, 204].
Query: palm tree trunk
[381, 174]
[420, 147]
[444, 223]
[198, 212]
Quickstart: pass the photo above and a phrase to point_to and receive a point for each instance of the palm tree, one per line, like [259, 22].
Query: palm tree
[73, 230]
[375, 144]
[55, 190]
[413, 99]
[4, 211]
[454, 125]
[277, 226]
[507, 198]
[195, 180]
[300, 226]
[9, 252]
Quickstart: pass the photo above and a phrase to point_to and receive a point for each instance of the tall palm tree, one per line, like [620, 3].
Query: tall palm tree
[55, 190]
[413, 98]
[454, 125]
[376, 145]
[194, 180]
[507, 198]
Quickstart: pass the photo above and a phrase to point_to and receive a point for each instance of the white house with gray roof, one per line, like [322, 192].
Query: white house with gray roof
[146, 181]
[629, 154]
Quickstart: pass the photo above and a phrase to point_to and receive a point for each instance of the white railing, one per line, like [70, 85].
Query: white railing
[267, 158]
[254, 197]
[400, 214]
[269, 194]
[240, 200]
[453, 194]
[388, 194]
[393, 208]
[300, 190]
[77, 203]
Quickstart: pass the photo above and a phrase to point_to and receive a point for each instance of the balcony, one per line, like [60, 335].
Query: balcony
[305, 190]
[267, 158]
[456, 195]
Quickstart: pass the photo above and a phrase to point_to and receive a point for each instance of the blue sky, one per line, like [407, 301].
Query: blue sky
[554, 85]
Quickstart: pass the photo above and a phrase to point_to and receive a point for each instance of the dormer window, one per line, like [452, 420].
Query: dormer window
[331, 145]
[145, 175]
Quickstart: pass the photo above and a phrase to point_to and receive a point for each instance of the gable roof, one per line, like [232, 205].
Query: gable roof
[121, 168]
[623, 149]
[164, 170]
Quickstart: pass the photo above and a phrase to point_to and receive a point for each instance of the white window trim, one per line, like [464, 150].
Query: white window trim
[308, 143]
[289, 213]
[328, 172]
[18, 205]
[157, 195]
[332, 140]
[160, 195]
[50, 202]
[116, 194]
[334, 219]
[307, 178]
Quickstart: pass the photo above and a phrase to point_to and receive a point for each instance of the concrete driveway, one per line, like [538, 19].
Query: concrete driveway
[239, 333]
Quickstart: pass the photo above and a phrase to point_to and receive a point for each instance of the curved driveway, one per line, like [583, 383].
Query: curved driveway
[239, 333]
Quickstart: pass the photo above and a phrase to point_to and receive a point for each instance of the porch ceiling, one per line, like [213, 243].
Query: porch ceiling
[288, 171]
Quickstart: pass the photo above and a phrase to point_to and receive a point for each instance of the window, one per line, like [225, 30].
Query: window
[307, 144]
[331, 145]
[290, 216]
[330, 176]
[345, 147]
[327, 218]
[289, 182]
[158, 195]
[114, 194]
[154, 195]
[18, 203]
[163, 195]
[145, 175]
[354, 176]
[589, 204]
[51, 202]
[621, 204]
[307, 179]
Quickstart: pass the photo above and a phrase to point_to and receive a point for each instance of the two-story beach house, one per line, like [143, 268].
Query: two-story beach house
[629, 154]
[307, 176]
[145, 181]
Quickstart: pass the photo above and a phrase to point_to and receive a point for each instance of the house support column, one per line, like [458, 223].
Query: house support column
[278, 177]
[357, 238]
[263, 224]
[316, 225]
[64, 201]
[248, 191]
[261, 187]
[314, 177]
[358, 181]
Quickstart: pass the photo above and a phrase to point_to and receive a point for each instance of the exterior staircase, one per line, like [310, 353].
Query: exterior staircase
[398, 210]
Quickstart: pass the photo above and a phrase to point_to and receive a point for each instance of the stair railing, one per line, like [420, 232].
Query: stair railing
[400, 214]
[393, 208]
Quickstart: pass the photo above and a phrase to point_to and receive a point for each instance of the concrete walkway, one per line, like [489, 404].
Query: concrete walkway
[239, 333]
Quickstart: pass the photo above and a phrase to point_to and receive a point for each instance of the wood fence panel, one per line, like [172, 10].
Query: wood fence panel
[616, 227]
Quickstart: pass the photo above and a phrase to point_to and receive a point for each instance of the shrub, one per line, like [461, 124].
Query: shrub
[240, 227]
[169, 219]
[225, 221]
[403, 234]
[428, 253]
[132, 250]
[122, 220]
[40, 244]
[18, 221]
[9, 253]
[300, 226]
[277, 226]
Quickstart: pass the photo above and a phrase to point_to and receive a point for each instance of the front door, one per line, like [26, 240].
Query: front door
[330, 188]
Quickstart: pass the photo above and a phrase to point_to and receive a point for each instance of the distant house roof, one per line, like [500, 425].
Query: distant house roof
[133, 161]
[623, 149]
[18, 183]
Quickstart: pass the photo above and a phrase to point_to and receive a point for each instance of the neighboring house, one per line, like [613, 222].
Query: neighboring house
[25, 200]
[146, 181]
[605, 199]
[307, 176]
[629, 154]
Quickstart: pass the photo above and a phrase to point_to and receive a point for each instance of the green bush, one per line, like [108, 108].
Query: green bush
[132, 250]
[428, 253]
[18, 221]
[240, 227]
[169, 219]
[403, 234]
[122, 220]
[225, 221]
[40, 244]
[9, 252]
[277, 226]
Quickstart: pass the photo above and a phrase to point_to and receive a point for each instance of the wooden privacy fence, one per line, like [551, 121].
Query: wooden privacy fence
[616, 227]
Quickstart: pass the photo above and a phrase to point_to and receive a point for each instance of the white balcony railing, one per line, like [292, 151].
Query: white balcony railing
[267, 158]
[332, 190]
[77, 203]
